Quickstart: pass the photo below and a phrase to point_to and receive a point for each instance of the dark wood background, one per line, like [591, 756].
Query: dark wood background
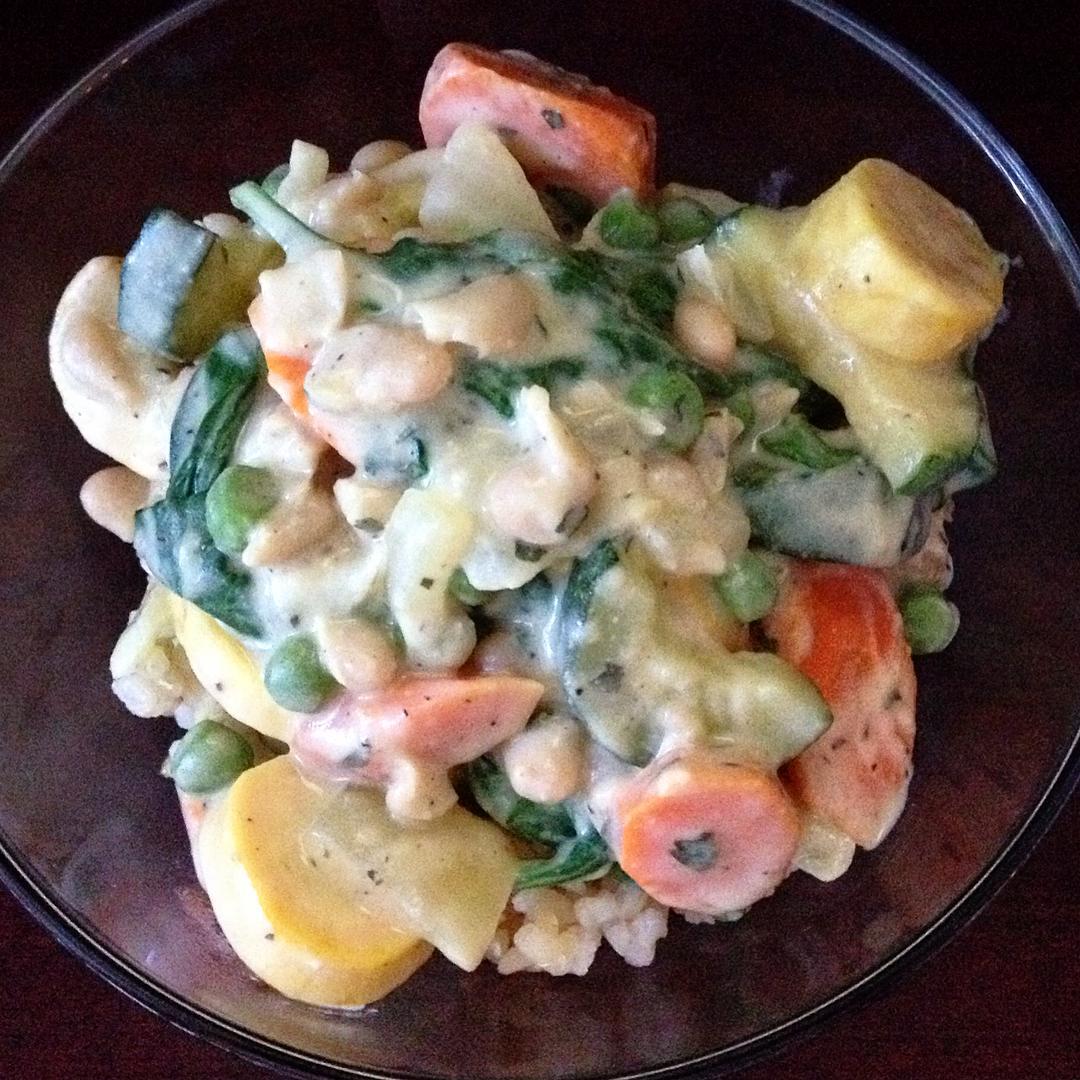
[1002, 999]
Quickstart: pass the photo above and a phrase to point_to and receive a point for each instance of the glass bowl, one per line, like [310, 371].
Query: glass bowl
[90, 836]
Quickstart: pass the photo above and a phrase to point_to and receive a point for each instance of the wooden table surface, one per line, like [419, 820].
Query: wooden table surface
[999, 1001]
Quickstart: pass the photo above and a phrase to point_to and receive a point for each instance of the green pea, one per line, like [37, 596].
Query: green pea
[930, 621]
[296, 678]
[685, 221]
[748, 587]
[236, 502]
[625, 223]
[208, 757]
[676, 401]
[461, 588]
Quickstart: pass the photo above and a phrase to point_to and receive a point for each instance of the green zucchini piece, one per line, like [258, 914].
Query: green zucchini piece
[846, 514]
[625, 674]
[180, 284]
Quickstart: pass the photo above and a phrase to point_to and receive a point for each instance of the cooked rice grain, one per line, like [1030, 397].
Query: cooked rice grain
[558, 930]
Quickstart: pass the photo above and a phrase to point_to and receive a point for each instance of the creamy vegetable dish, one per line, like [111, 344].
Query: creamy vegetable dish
[532, 550]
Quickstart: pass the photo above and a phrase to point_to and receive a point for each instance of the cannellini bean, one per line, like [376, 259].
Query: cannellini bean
[705, 330]
[538, 496]
[356, 653]
[418, 792]
[546, 762]
[374, 155]
[492, 315]
[110, 498]
[338, 207]
[367, 508]
[120, 394]
[300, 521]
[377, 367]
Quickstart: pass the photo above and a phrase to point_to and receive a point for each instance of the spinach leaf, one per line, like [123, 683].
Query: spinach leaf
[498, 384]
[171, 536]
[579, 850]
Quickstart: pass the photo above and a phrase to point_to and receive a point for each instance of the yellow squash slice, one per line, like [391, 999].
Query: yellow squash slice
[228, 672]
[292, 925]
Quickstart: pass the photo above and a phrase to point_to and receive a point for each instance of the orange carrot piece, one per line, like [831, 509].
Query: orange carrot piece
[439, 721]
[451, 720]
[563, 130]
[286, 376]
[704, 834]
[840, 626]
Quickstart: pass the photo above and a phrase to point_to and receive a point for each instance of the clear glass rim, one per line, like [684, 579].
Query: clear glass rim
[67, 928]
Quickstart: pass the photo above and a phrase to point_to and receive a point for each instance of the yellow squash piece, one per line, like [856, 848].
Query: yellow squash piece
[228, 672]
[895, 265]
[875, 290]
[328, 864]
[447, 880]
[293, 925]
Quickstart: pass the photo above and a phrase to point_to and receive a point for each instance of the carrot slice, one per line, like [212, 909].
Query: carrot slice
[451, 720]
[704, 834]
[441, 721]
[286, 376]
[839, 625]
[563, 130]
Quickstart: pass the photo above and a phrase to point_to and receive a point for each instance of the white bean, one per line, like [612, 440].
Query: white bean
[299, 521]
[110, 498]
[546, 762]
[339, 207]
[706, 331]
[494, 314]
[357, 654]
[374, 155]
[378, 367]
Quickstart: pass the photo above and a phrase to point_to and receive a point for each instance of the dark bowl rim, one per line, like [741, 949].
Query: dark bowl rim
[67, 928]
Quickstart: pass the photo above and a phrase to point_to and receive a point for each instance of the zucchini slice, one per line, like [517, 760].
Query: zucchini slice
[633, 679]
[181, 284]
[847, 513]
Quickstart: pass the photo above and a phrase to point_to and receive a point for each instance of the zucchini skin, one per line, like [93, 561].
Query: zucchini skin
[847, 513]
[752, 703]
[181, 284]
